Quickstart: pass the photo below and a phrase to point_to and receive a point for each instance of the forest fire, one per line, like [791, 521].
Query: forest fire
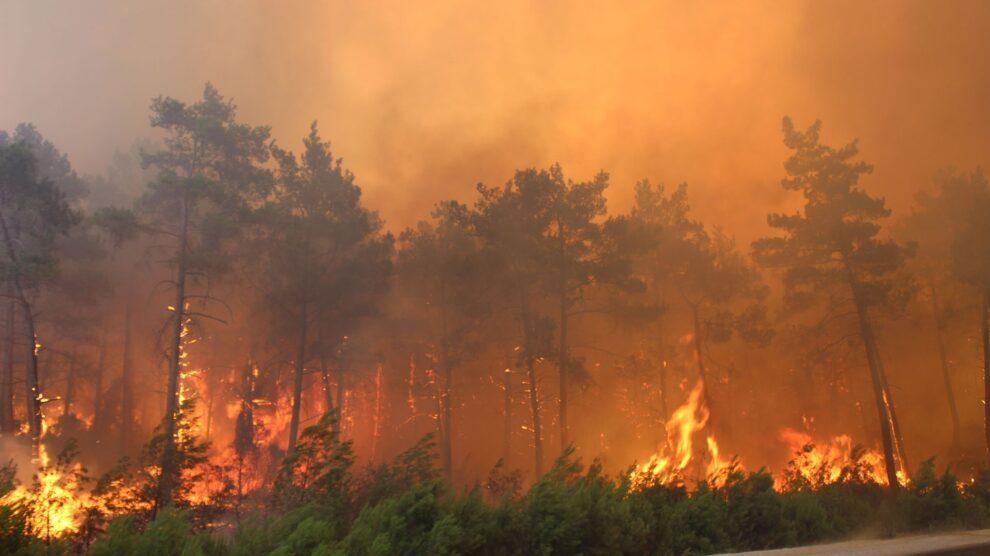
[518, 304]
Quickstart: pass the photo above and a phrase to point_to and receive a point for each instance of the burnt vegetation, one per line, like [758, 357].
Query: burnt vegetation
[216, 347]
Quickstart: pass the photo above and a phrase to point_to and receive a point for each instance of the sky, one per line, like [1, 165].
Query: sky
[422, 100]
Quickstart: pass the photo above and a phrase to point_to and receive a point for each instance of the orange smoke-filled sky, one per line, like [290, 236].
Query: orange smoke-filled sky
[424, 99]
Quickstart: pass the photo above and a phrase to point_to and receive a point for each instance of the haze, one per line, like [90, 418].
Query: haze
[423, 103]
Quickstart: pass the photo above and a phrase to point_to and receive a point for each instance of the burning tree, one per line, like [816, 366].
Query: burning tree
[325, 256]
[833, 243]
[33, 214]
[207, 173]
[953, 250]
[971, 263]
[657, 236]
[441, 267]
[512, 221]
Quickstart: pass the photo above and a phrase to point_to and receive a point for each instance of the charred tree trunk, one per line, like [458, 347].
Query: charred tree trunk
[534, 395]
[169, 460]
[446, 384]
[699, 354]
[659, 285]
[70, 386]
[33, 390]
[879, 395]
[507, 415]
[297, 385]
[534, 403]
[894, 423]
[946, 375]
[661, 429]
[339, 422]
[377, 429]
[661, 362]
[211, 396]
[563, 356]
[7, 381]
[446, 432]
[98, 416]
[985, 331]
[564, 368]
[244, 445]
[327, 386]
[126, 390]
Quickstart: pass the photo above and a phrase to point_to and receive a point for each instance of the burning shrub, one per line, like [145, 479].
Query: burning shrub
[51, 506]
[15, 530]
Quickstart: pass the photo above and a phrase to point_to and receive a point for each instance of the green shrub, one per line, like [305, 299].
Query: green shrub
[169, 534]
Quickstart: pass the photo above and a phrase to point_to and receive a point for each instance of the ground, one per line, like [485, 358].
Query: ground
[963, 543]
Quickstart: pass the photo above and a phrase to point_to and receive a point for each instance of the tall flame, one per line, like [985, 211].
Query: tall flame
[672, 460]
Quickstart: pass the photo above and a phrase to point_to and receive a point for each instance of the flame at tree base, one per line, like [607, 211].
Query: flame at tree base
[836, 460]
[673, 461]
[813, 463]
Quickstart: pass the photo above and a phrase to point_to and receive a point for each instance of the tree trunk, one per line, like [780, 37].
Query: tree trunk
[534, 396]
[985, 329]
[126, 389]
[894, 423]
[70, 384]
[699, 354]
[340, 397]
[946, 376]
[211, 396]
[298, 382]
[169, 461]
[661, 368]
[564, 369]
[98, 386]
[563, 356]
[33, 391]
[376, 430]
[446, 432]
[7, 382]
[327, 386]
[507, 415]
[534, 403]
[866, 331]
[446, 384]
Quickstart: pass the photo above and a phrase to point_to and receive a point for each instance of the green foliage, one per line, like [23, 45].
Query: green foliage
[170, 533]
[406, 509]
[34, 213]
[261, 534]
[318, 469]
[406, 470]
[935, 502]
[835, 238]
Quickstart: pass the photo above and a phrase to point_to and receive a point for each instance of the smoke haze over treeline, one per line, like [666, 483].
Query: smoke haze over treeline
[424, 102]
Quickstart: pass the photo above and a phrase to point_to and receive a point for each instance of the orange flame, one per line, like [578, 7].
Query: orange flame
[672, 460]
[831, 461]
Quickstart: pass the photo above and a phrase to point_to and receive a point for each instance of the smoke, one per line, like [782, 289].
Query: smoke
[424, 102]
